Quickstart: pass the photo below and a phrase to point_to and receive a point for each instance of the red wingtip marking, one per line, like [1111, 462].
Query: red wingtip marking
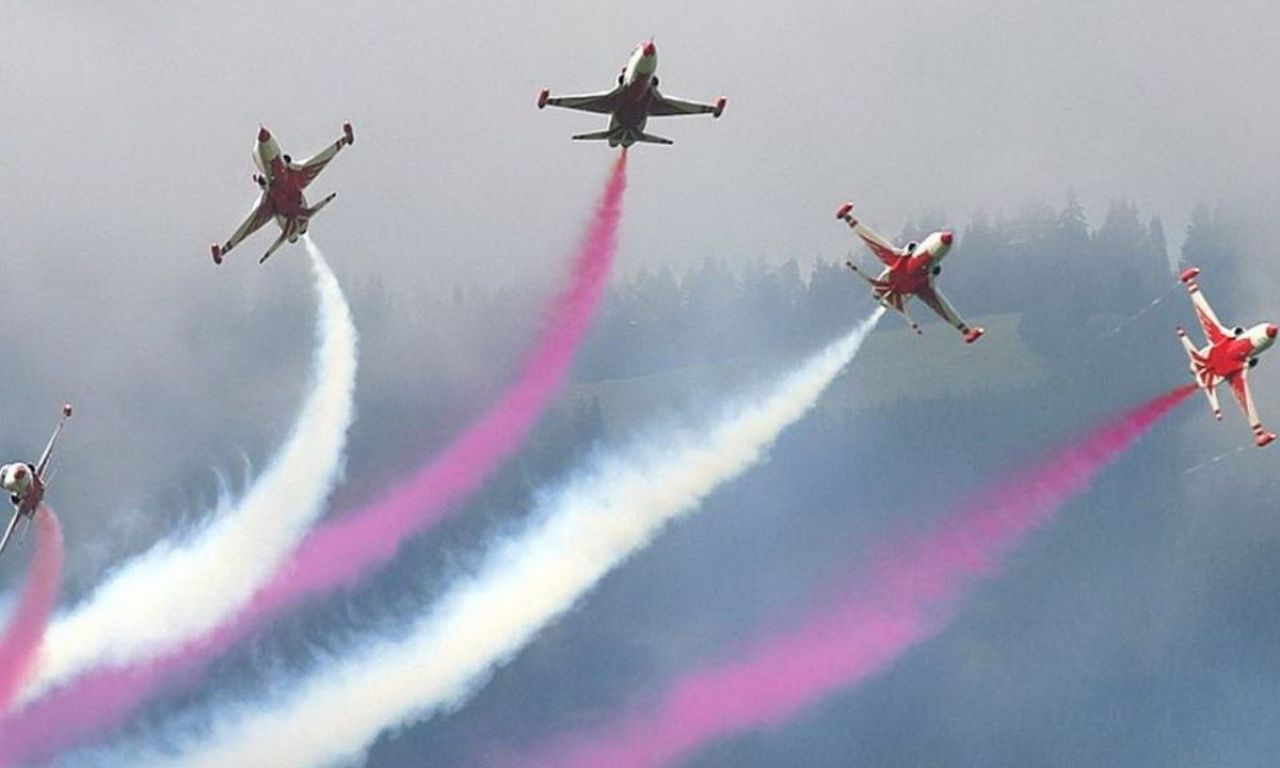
[263, 134]
[349, 133]
[719, 107]
[66, 410]
[1189, 274]
[1265, 440]
[543, 95]
[216, 250]
[973, 335]
[843, 210]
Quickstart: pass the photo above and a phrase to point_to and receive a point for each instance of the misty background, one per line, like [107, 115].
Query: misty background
[1079, 150]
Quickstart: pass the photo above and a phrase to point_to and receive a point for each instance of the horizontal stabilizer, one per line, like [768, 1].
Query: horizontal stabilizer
[313, 210]
[649, 138]
[279, 242]
[597, 136]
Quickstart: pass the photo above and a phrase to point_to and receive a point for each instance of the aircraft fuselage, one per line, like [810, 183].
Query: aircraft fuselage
[283, 185]
[25, 487]
[1230, 356]
[637, 81]
[913, 272]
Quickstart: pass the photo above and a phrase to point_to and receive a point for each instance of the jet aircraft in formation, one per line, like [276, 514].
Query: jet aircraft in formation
[632, 102]
[908, 272]
[281, 182]
[1228, 356]
[27, 483]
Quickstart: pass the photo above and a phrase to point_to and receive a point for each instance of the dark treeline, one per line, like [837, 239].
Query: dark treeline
[1071, 283]
[1070, 279]
[1067, 279]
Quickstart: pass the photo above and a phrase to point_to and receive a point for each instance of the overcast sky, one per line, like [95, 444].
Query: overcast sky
[132, 123]
[125, 151]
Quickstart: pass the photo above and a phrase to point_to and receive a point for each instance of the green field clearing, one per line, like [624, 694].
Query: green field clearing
[894, 368]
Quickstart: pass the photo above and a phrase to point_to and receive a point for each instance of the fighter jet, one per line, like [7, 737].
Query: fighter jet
[27, 483]
[632, 102]
[908, 272]
[1228, 357]
[281, 182]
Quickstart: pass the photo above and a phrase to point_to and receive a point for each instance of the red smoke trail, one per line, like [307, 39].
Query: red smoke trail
[21, 640]
[905, 595]
[337, 554]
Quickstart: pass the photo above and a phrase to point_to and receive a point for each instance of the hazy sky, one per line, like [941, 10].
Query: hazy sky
[125, 151]
[133, 122]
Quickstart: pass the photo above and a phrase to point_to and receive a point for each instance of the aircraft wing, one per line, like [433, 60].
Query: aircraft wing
[260, 215]
[8, 533]
[662, 106]
[939, 304]
[1213, 329]
[1240, 388]
[603, 103]
[309, 169]
[48, 449]
[882, 248]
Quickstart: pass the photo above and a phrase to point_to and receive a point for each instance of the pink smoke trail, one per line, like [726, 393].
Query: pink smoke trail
[337, 554]
[21, 640]
[904, 597]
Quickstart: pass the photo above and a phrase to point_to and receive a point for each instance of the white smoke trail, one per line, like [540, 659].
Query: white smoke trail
[577, 534]
[184, 585]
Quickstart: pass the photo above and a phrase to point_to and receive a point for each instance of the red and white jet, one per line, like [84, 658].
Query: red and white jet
[632, 103]
[908, 272]
[27, 483]
[1227, 357]
[282, 181]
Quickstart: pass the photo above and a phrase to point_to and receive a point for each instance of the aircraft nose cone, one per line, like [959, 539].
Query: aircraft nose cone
[1272, 330]
[263, 135]
[650, 49]
[947, 237]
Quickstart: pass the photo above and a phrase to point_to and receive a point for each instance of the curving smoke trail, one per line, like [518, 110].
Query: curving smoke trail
[185, 585]
[904, 596]
[339, 552]
[21, 640]
[577, 534]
